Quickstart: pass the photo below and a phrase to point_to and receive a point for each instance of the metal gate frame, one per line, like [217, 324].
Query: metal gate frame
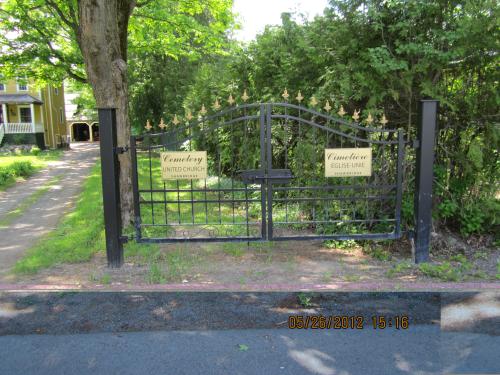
[424, 144]
[267, 176]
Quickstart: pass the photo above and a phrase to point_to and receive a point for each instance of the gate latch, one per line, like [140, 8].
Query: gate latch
[121, 150]
[277, 176]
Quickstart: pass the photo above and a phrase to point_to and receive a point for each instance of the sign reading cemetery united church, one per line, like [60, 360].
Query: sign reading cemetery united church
[184, 165]
[348, 162]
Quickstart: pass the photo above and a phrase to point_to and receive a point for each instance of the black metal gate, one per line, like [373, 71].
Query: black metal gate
[266, 178]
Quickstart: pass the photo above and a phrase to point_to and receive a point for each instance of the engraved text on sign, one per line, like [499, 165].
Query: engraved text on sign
[187, 165]
[348, 162]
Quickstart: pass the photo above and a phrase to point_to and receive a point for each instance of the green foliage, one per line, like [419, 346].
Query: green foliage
[105, 279]
[10, 172]
[377, 252]
[399, 268]
[305, 299]
[155, 274]
[35, 151]
[336, 244]
[389, 55]
[446, 270]
[233, 249]
[45, 45]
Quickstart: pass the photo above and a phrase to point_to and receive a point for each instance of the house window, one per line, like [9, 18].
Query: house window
[22, 86]
[25, 114]
[61, 117]
[2, 86]
[56, 91]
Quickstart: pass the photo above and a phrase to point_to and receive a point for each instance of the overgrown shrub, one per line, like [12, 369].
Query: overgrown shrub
[35, 151]
[17, 169]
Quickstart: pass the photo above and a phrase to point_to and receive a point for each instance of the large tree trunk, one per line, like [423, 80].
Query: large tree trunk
[102, 37]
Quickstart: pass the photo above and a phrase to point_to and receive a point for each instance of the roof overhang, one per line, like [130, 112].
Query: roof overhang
[19, 99]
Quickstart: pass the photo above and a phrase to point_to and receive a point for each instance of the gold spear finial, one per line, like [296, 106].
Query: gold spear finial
[384, 120]
[314, 101]
[216, 105]
[148, 126]
[299, 97]
[162, 124]
[203, 110]
[285, 95]
[327, 106]
[175, 121]
[189, 116]
[231, 100]
[341, 111]
[369, 119]
[355, 116]
[245, 96]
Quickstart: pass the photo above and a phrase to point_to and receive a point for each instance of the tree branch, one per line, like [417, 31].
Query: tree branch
[66, 20]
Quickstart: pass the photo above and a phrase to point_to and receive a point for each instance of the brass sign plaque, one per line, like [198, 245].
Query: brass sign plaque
[348, 162]
[184, 165]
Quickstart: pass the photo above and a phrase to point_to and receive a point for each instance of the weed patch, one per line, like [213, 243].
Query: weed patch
[398, 269]
[447, 271]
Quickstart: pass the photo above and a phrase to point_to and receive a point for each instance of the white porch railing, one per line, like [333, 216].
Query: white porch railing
[19, 127]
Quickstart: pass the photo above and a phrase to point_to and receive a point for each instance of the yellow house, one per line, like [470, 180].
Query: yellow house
[32, 115]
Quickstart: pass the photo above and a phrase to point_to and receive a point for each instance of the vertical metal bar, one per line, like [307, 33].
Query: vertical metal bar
[269, 157]
[246, 209]
[165, 199]
[110, 186]
[165, 195]
[424, 174]
[178, 201]
[206, 203]
[218, 177]
[192, 203]
[151, 185]
[232, 166]
[135, 189]
[286, 161]
[399, 182]
[263, 167]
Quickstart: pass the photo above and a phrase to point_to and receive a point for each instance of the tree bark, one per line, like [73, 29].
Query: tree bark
[102, 38]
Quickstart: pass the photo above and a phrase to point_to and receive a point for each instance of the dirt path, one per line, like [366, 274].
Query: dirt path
[43, 215]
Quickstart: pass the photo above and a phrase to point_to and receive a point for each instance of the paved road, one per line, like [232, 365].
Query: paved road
[43, 216]
[245, 333]
[420, 350]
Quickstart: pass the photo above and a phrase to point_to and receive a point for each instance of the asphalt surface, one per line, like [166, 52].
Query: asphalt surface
[83, 312]
[246, 333]
[419, 350]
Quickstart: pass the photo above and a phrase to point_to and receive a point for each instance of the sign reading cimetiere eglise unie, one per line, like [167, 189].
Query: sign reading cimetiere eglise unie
[348, 162]
[184, 165]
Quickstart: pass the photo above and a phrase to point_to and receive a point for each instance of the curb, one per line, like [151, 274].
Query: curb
[255, 287]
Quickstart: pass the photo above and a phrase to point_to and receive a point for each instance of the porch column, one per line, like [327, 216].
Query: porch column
[91, 139]
[4, 112]
[32, 118]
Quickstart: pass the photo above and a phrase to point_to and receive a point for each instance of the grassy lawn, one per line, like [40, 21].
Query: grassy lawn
[38, 161]
[17, 167]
